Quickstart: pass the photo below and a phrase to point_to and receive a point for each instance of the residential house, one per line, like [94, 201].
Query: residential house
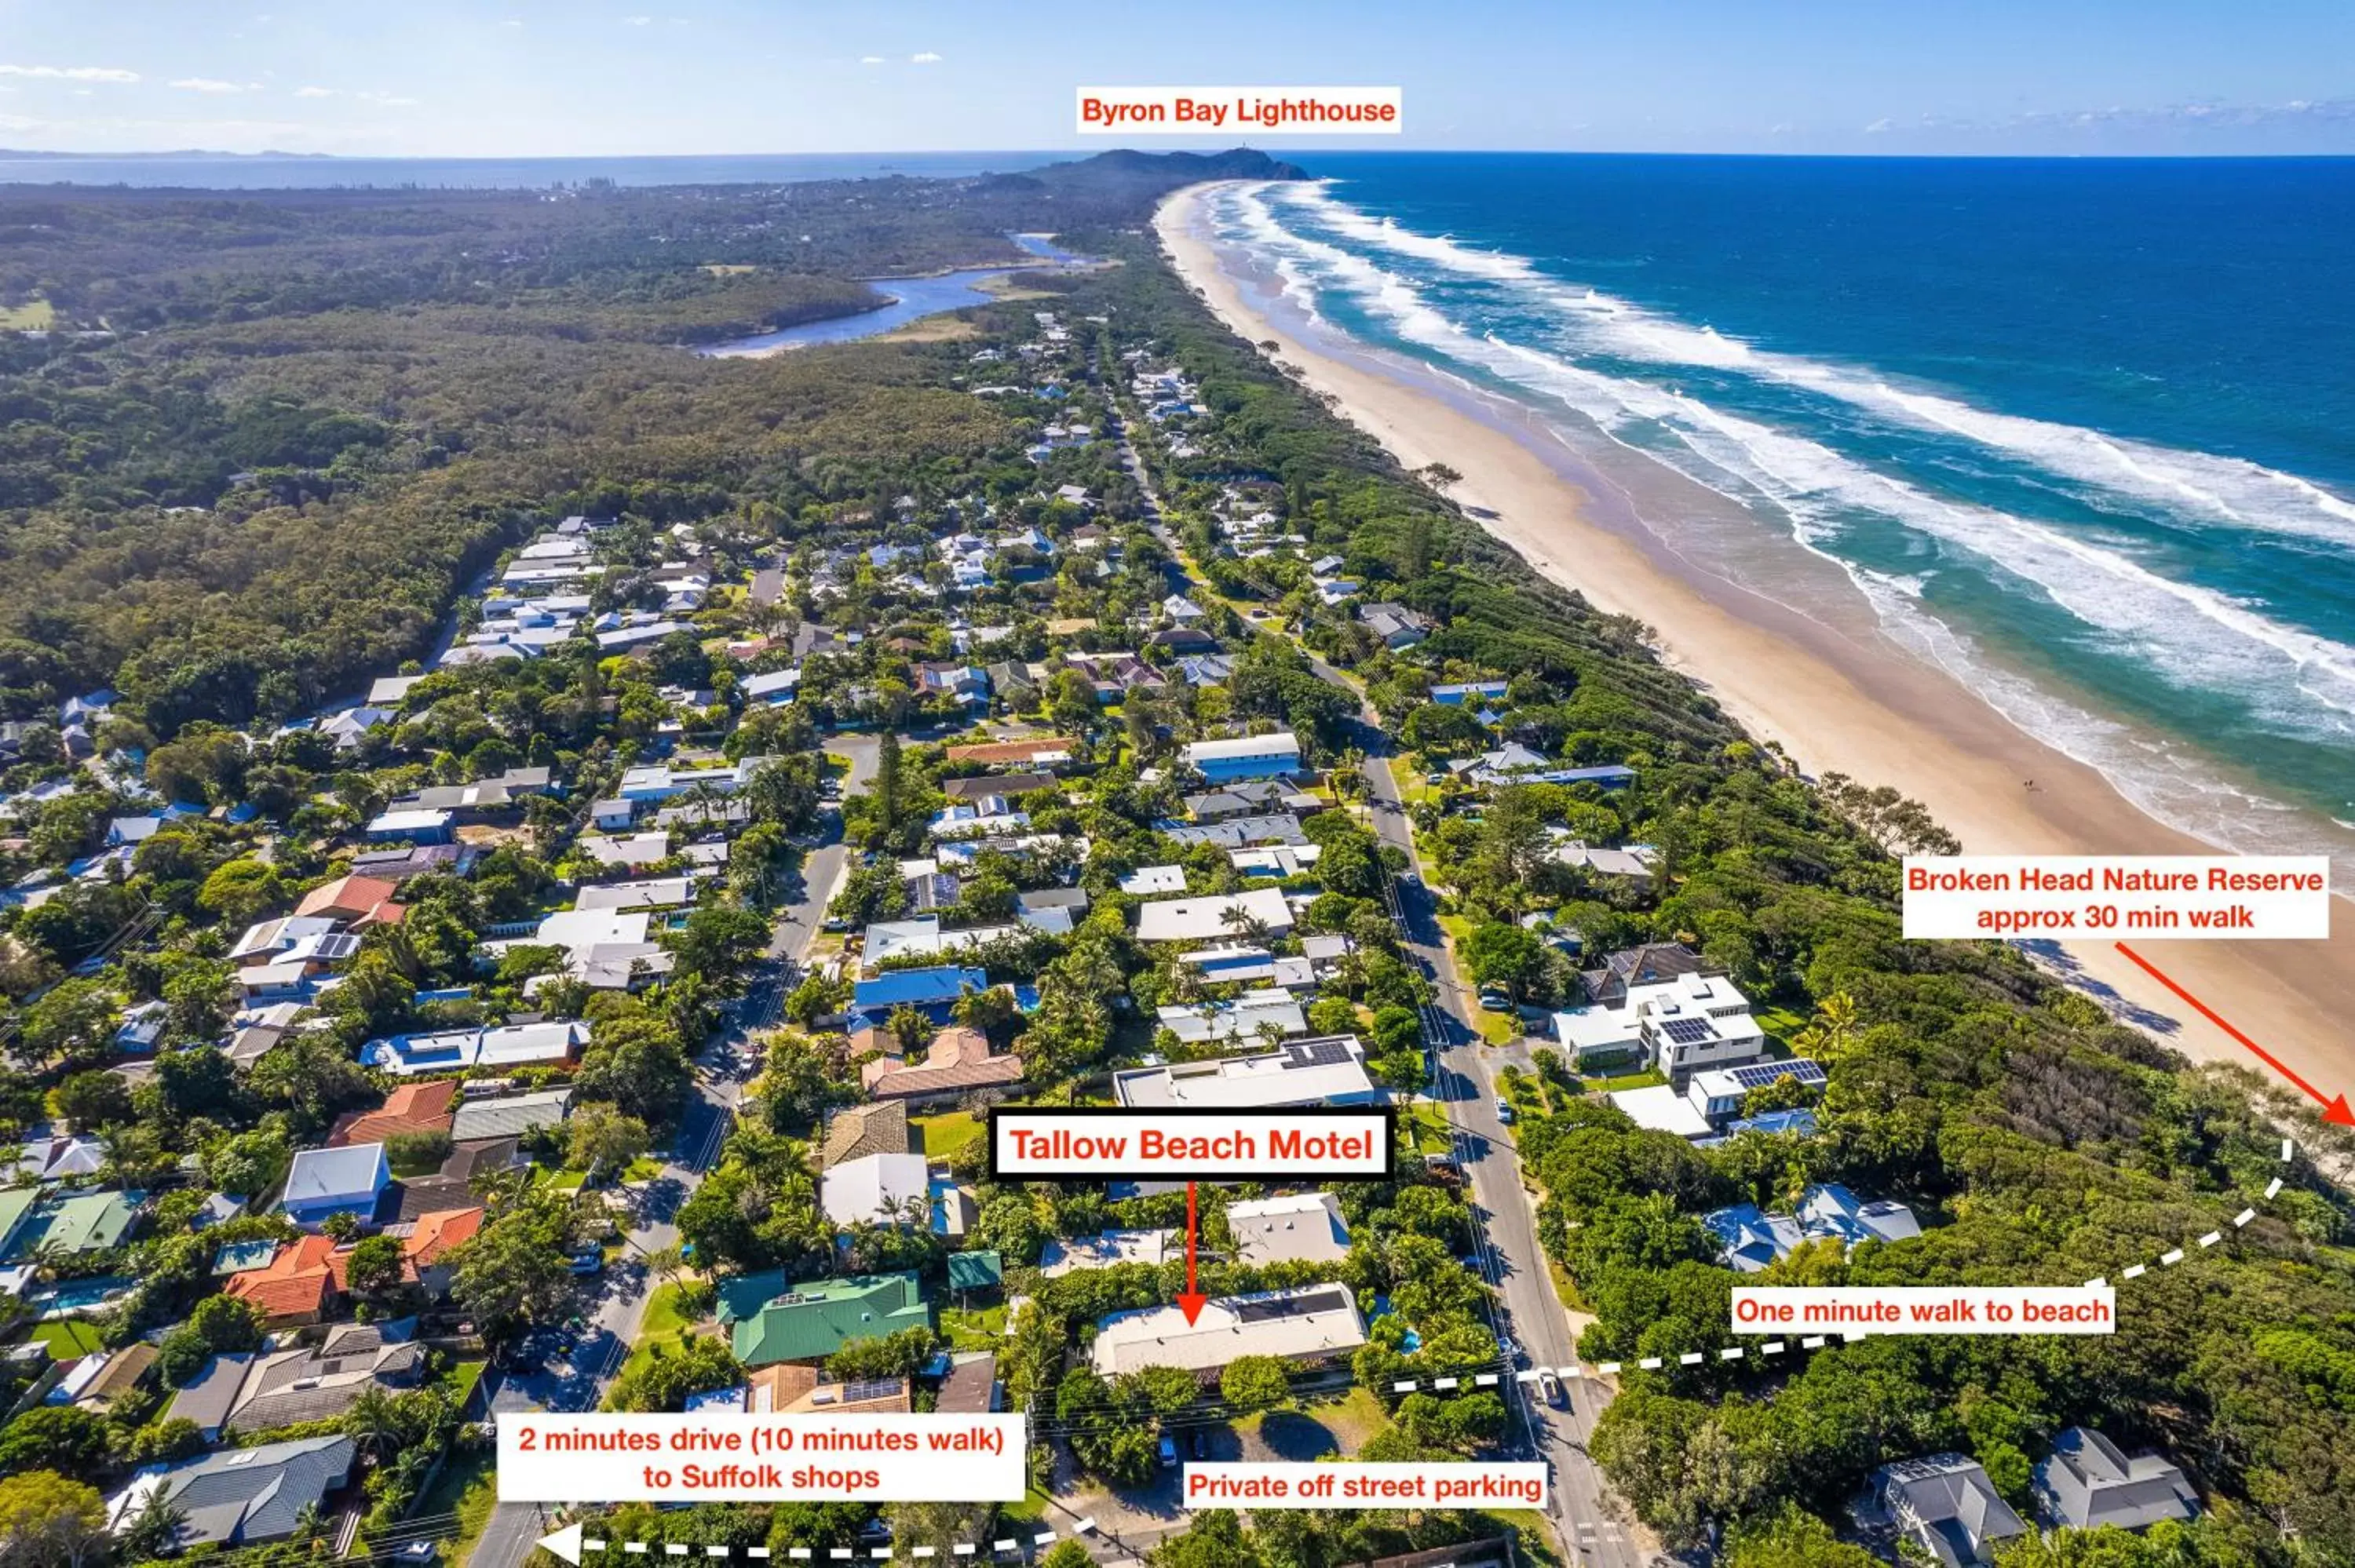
[1107, 1249]
[1752, 1240]
[508, 1045]
[70, 1226]
[1684, 1024]
[1206, 919]
[418, 826]
[879, 1189]
[1395, 624]
[770, 1320]
[509, 1115]
[856, 1131]
[353, 901]
[296, 1286]
[1945, 1504]
[239, 1497]
[1245, 1019]
[1034, 751]
[1306, 1324]
[958, 1062]
[409, 1109]
[325, 1181]
[932, 991]
[1327, 1069]
[1272, 755]
[2089, 1483]
[289, 1387]
[1304, 1227]
[998, 786]
[1473, 692]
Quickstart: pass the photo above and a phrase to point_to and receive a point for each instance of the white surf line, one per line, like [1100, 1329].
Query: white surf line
[1578, 1370]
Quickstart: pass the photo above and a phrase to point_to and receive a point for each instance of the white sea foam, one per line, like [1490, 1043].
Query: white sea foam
[2192, 488]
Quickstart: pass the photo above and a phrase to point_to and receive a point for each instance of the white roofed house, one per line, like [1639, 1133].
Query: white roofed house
[879, 1189]
[1310, 1324]
[1218, 917]
[1325, 1069]
[1305, 1227]
[1245, 756]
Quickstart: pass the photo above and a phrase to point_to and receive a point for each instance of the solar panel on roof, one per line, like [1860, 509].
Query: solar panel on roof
[1687, 1031]
[872, 1388]
[1321, 1053]
[1759, 1074]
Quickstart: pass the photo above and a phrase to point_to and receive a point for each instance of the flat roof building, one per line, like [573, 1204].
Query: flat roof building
[1325, 1069]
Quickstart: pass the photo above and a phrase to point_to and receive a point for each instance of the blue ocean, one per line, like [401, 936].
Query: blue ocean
[2082, 431]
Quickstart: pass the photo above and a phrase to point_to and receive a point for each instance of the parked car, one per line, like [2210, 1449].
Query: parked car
[1550, 1387]
[1496, 1001]
[1504, 1110]
[1169, 1454]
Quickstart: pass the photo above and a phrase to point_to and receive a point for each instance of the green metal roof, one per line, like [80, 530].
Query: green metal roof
[88, 1222]
[818, 1317]
[16, 1203]
[976, 1270]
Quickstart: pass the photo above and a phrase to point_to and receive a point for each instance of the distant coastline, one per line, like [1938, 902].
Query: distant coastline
[1837, 696]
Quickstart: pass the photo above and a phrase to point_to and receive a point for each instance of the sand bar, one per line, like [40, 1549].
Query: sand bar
[1835, 699]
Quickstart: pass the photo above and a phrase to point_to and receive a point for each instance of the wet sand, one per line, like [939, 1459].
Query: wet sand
[1828, 687]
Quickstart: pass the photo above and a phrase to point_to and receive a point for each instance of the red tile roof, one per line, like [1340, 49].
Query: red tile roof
[412, 1108]
[299, 1282]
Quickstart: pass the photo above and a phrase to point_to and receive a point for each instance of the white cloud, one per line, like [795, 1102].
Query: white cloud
[511, 22]
[924, 58]
[211, 84]
[639, 21]
[387, 100]
[1877, 127]
[315, 92]
[70, 73]
[870, 59]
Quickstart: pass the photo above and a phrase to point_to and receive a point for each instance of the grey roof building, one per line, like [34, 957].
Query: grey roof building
[2089, 1482]
[1945, 1502]
[511, 1115]
[239, 1496]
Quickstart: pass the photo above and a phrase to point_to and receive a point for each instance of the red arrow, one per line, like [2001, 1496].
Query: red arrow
[1192, 1302]
[2333, 1110]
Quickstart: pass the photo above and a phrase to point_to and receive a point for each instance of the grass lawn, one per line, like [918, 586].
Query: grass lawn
[1029, 1510]
[1495, 1027]
[664, 1329]
[942, 1137]
[34, 315]
[68, 1338]
[1610, 1083]
[1429, 1123]
[982, 1329]
[1779, 1022]
[467, 1486]
[462, 1377]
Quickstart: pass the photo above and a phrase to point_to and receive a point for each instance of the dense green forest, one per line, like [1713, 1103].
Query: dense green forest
[311, 418]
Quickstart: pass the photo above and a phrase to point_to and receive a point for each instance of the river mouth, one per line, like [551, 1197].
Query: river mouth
[906, 299]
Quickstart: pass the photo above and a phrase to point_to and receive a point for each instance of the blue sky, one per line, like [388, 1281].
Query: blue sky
[516, 78]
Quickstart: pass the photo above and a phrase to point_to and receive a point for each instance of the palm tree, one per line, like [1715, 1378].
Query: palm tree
[1833, 1030]
[373, 1423]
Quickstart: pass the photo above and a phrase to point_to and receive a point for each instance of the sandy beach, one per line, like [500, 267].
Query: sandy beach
[1833, 693]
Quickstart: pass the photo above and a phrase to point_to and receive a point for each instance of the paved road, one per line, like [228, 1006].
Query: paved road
[1593, 1522]
[727, 1064]
[1590, 1518]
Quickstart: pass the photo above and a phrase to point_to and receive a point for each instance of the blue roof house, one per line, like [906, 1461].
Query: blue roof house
[324, 1182]
[1457, 695]
[929, 991]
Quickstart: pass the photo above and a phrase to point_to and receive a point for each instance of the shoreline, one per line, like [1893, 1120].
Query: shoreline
[1834, 699]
